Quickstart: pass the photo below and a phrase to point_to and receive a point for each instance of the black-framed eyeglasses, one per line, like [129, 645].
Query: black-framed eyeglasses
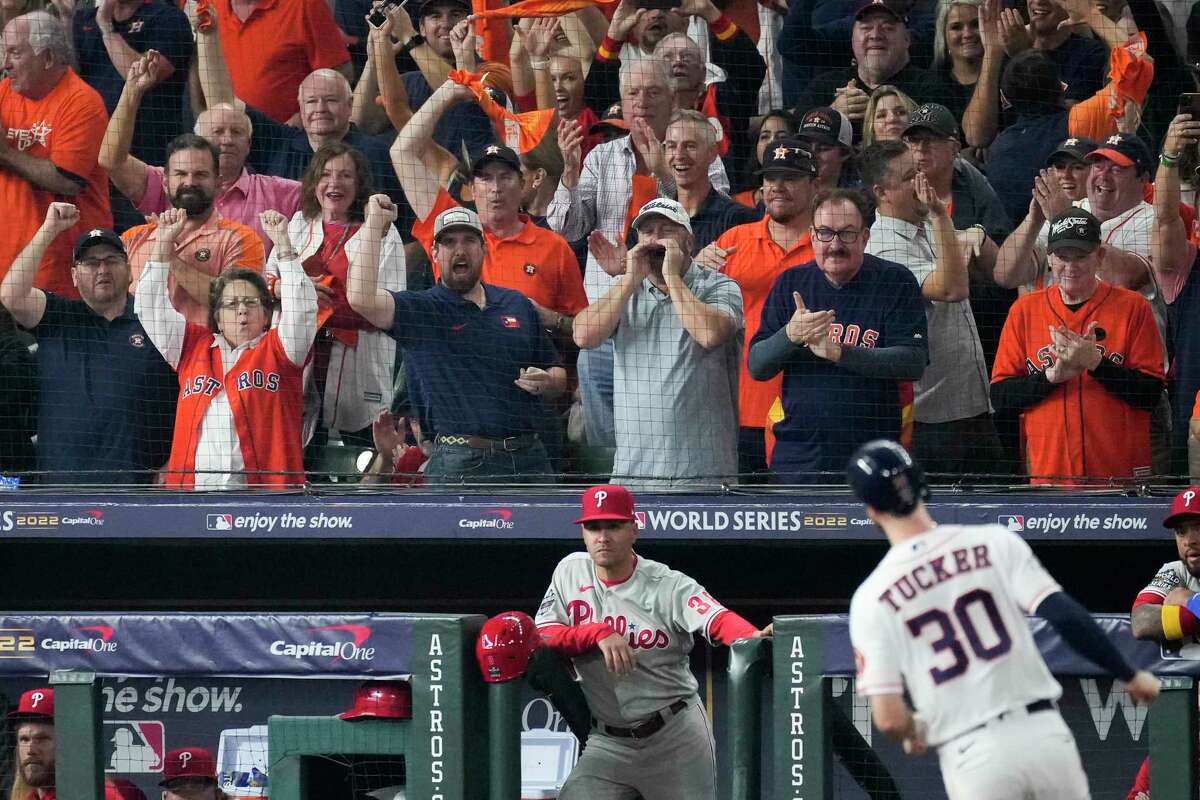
[112, 262]
[847, 235]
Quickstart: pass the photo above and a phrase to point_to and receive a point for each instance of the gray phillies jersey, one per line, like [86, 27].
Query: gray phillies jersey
[657, 610]
[1171, 575]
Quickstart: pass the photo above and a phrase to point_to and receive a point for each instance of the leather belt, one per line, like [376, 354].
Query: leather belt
[1033, 708]
[647, 728]
[508, 444]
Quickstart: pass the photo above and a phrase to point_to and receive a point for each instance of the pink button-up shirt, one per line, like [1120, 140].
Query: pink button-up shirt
[241, 202]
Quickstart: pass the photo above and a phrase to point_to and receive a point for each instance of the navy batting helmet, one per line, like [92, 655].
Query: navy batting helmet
[884, 476]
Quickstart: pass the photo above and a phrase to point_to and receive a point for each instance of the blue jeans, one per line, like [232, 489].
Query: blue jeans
[596, 390]
[457, 463]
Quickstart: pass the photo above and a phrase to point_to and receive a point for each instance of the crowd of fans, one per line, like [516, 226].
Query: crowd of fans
[724, 241]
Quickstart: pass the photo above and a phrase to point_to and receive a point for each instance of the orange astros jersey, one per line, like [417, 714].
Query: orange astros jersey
[1081, 428]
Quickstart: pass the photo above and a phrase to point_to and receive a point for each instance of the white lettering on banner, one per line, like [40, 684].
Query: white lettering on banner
[1104, 711]
[499, 524]
[796, 717]
[171, 697]
[346, 651]
[254, 523]
[1061, 523]
[436, 730]
[96, 645]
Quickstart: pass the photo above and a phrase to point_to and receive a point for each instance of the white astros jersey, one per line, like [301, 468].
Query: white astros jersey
[943, 615]
[1171, 575]
[657, 610]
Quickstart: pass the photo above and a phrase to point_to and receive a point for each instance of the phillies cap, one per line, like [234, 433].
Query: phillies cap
[789, 154]
[1185, 506]
[495, 152]
[381, 699]
[35, 704]
[827, 126]
[663, 207]
[189, 762]
[97, 236]
[607, 501]
[935, 118]
[896, 9]
[456, 218]
[127, 789]
[1124, 150]
[1074, 228]
[1075, 148]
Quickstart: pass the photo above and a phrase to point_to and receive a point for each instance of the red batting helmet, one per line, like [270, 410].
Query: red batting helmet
[189, 762]
[505, 644]
[35, 705]
[1185, 506]
[381, 699]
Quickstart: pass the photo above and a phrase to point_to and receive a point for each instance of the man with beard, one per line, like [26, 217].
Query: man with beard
[953, 430]
[845, 330]
[209, 244]
[479, 353]
[676, 331]
[33, 723]
[1168, 609]
[95, 363]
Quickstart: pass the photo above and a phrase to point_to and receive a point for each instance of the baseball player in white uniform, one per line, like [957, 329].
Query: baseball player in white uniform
[627, 623]
[943, 617]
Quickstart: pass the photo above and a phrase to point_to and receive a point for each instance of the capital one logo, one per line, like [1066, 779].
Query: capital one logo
[495, 518]
[352, 650]
[100, 642]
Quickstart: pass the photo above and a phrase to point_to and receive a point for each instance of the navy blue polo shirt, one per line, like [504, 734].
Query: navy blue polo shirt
[1018, 153]
[463, 123]
[107, 396]
[466, 359]
[155, 25]
[828, 410]
[285, 152]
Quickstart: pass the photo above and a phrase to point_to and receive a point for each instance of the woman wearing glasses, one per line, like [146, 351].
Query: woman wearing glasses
[238, 419]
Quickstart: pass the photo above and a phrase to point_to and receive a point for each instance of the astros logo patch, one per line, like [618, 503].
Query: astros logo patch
[530, 269]
[203, 254]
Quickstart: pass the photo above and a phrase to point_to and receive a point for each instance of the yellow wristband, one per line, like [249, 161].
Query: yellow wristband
[1172, 629]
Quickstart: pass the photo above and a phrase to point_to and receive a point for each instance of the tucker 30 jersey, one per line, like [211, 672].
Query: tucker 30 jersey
[657, 610]
[943, 615]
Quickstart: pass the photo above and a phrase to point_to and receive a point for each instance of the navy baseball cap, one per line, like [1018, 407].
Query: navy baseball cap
[498, 153]
[97, 236]
[826, 125]
[788, 154]
[935, 118]
[1076, 148]
[429, 5]
[1074, 228]
[897, 9]
[1125, 150]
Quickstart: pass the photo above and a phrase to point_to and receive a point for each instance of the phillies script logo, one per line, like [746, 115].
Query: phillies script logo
[342, 650]
[99, 642]
[493, 518]
[647, 638]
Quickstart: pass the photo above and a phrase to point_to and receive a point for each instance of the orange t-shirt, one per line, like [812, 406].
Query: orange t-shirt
[275, 48]
[536, 262]
[217, 245]
[755, 266]
[65, 127]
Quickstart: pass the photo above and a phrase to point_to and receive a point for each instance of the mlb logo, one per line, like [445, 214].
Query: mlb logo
[1013, 522]
[220, 522]
[134, 746]
[641, 519]
[510, 322]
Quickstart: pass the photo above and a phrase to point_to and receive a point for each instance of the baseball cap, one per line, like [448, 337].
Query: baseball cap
[97, 236]
[935, 118]
[663, 207]
[429, 5]
[607, 501]
[1125, 150]
[1185, 506]
[381, 699]
[827, 126]
[495, 152]
[864, 7]
[1077, 148]
[455, 218]
[612, 118]
[1074, 228]
[788, 154]
[189, 762]
[35, 704]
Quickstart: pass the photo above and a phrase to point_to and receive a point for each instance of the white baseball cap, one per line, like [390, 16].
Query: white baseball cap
[663, 207]
[454, 218]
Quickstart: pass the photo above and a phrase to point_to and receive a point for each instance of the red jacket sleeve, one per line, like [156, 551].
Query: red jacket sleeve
[574, 640]
[727, 627]
[1141, 783]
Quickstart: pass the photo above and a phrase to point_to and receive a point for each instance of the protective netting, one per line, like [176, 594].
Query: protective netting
[860, 216]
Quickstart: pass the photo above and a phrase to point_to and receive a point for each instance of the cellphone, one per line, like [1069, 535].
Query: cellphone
[1189, 103]
[661, 5]
[378, 16]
